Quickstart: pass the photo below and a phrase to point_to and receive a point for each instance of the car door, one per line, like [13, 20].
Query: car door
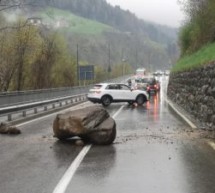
[126, 93]
[114, 91]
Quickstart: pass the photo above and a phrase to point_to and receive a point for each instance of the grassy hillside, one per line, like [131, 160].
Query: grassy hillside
[72, 23]
[201, 57]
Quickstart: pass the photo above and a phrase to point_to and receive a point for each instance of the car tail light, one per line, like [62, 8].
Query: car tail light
[155, 86]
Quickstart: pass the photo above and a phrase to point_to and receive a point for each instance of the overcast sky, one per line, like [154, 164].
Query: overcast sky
[166, 12]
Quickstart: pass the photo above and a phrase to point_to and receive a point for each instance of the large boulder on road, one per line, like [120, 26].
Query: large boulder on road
[92, 124]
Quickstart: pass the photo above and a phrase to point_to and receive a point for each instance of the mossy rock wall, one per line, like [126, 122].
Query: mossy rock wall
[194, 91]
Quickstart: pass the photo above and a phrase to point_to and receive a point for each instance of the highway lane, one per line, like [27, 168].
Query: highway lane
[35, 161]
[155, 151]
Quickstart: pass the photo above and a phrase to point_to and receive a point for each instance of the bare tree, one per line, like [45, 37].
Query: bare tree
[7, 65]
[42, 67]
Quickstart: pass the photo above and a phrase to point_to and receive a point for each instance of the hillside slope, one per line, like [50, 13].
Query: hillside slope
[103, 12]
[98, 26]
[65, 20]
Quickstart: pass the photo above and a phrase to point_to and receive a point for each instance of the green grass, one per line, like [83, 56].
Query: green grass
[74, 24]
[200, 58]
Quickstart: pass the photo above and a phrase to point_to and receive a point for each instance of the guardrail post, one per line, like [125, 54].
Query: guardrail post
[24, 113]
[66, 102]
[9, 117]
[60, 104]
[45, 108]
[35, 110]
[53, 106]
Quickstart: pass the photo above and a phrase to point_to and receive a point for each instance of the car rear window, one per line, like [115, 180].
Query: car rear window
[138, 80]
[149, 80]
[152, 81]
[97, 86]
[144, 80]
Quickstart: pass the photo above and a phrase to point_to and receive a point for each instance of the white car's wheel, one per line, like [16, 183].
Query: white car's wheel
[106, 101]
[140, 100]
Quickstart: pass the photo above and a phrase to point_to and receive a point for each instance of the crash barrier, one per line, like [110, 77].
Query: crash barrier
[12, 103]
[21, 111]
[22, 97]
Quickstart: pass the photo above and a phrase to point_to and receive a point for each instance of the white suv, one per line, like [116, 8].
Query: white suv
[107, 93]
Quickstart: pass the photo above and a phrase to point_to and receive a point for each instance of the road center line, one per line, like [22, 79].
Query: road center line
[67, 177]
[116, 113]
[65, 180]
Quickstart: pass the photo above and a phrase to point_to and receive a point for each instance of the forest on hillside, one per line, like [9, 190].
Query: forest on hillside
[149, 44]
[36, 57]
[103, 12]
[199, 29]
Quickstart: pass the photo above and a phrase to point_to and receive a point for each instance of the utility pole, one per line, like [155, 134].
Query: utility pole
[77, 66]
[109, 67]
[123, 66]
[122, 60]
[136, 57]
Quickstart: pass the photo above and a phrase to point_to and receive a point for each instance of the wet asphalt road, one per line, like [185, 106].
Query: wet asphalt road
[154, 152]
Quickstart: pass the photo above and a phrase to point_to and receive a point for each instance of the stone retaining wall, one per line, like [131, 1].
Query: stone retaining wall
[194, 91]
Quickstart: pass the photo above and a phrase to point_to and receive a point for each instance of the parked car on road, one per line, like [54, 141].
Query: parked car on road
[158, 73]
[141, 85]
[107, 93]
[153, 85]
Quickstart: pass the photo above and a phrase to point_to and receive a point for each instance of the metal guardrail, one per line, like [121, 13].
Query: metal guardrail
[16, 106]
[19, 107]
[8, 99]
[23, 110]
[19, 104]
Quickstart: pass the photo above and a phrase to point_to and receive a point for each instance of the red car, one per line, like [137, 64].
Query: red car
[153, 85]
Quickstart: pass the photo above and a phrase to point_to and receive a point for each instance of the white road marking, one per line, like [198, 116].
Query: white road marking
[120, 109]
[67, 177]
[65, 180]
[193, 126]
